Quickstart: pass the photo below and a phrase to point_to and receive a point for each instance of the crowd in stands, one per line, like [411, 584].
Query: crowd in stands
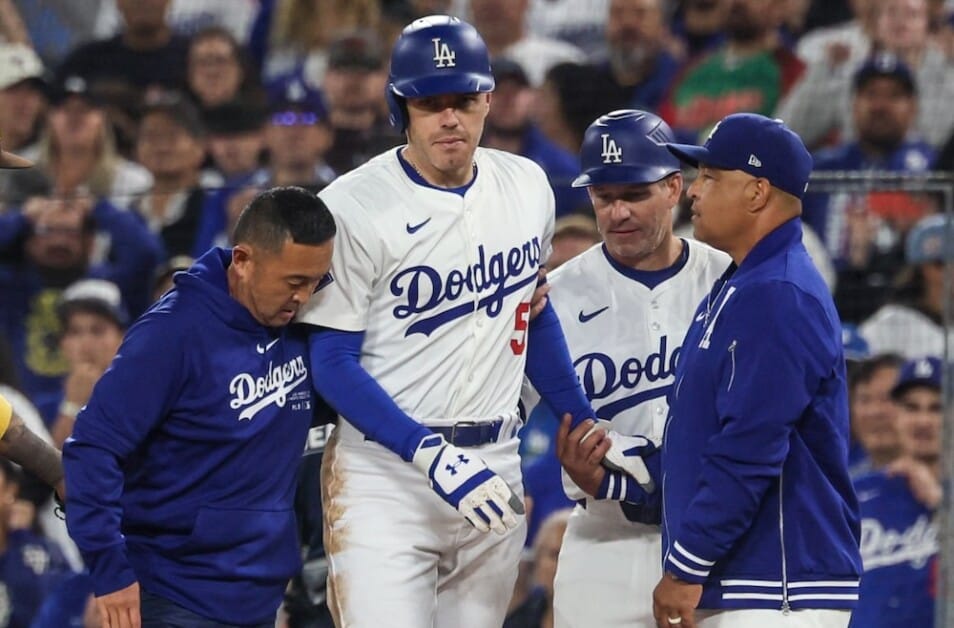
[153, 123]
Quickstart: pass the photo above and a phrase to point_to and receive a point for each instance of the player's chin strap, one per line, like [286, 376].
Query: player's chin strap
[463, 480]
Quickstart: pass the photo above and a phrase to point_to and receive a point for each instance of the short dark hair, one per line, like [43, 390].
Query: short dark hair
[280, 213]
[863, 371]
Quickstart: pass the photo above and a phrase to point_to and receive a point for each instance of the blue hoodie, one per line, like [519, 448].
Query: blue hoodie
[181, 470]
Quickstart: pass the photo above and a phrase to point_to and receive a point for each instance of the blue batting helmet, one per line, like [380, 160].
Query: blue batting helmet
[626, 146]
[434, 55]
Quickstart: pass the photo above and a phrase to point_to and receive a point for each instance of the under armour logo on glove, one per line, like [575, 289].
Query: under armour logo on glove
[465, 482]
[452, 468]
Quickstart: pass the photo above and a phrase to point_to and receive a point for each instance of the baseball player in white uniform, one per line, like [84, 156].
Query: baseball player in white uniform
[624, 305]
[424, 335]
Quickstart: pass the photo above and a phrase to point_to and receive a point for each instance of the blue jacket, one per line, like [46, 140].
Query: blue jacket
[757, 503]
[899, 546]
[181, 470]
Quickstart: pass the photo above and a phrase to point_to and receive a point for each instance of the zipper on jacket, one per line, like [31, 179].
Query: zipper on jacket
[732, 355]
[781, 533]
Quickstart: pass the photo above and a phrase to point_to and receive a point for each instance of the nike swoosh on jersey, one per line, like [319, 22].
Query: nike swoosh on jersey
[412, 229]
[262, 349]
[588, 317]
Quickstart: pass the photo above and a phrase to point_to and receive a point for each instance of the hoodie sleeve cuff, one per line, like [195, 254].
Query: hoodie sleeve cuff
[687, 565]
[109, 569]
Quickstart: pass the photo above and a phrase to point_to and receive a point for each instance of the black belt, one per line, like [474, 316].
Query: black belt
[470, 433]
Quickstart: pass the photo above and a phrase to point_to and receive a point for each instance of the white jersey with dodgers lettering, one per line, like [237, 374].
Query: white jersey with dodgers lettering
[441, 285]
[624, 339]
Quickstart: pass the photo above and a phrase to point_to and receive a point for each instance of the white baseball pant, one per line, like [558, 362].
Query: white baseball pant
[398, 555]
[607, 570]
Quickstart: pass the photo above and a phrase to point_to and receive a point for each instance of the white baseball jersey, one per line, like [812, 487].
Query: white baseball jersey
[624, 339]
[441, 284]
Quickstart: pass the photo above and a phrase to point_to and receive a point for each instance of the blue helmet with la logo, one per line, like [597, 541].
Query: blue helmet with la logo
[435, 55]
[626, 146]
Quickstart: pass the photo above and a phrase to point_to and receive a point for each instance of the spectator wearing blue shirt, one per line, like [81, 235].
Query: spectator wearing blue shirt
[899, 533]
[509, 127]
[30, 566]
[864, 232]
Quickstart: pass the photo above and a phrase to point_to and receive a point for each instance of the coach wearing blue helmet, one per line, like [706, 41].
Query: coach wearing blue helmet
[624, 305]
[760, 521]
[421, 344]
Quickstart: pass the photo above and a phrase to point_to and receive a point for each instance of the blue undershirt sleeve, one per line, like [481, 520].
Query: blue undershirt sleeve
[340, 379]
[550, 368]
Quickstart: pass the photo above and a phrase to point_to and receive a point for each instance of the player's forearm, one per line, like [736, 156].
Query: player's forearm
[550, 368]
[31, 452]
[340, 379]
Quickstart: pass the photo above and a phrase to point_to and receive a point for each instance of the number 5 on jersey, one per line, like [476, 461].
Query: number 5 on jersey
[518, 340]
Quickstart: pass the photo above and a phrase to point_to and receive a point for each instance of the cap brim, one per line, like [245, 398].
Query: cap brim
[9, 161]
[691, 154]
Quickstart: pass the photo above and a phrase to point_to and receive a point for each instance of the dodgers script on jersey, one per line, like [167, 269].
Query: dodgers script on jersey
[420, 268]
[624, 338]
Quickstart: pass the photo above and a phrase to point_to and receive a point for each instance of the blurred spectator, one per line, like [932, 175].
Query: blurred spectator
[171, 146]
[56, 27]
[566, 103]
[639, 60]
[899, 535]
[70, 603]
[699, 26]
[50, 244]
[23, 92]
[23, 102]
[301, 31]
[794, 14]
[188, 17]
[749, 72]
[78, 151]
[844, 43]
[93, 320]
[30, 566]
[236, 139]
[32, 489]
[874, 430]
[863, 232]
[357, 112]
[297, 137]
[145, 54]
[911, 323]
[578, 22]
[163, 280]
[509, 127]
[503, 25]
[819, 106]
[571, 236]
[536, 609]
[218, 71]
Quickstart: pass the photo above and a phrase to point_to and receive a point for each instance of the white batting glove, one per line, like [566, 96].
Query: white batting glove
[626, 454]
[463, 480]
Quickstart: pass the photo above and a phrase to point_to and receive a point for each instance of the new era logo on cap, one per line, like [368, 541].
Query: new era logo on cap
[754, 161]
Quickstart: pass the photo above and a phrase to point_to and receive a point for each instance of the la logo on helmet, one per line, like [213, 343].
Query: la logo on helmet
[612, 154]
[444, 57]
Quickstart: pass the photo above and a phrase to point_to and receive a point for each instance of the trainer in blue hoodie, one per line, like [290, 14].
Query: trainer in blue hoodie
[182, 468]
[759, 516]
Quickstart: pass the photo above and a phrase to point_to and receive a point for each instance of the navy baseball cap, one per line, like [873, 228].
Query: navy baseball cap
[763, 147]
[924, 371]
[884, 65]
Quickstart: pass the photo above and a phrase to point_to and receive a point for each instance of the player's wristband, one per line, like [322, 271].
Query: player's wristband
[6, 413]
